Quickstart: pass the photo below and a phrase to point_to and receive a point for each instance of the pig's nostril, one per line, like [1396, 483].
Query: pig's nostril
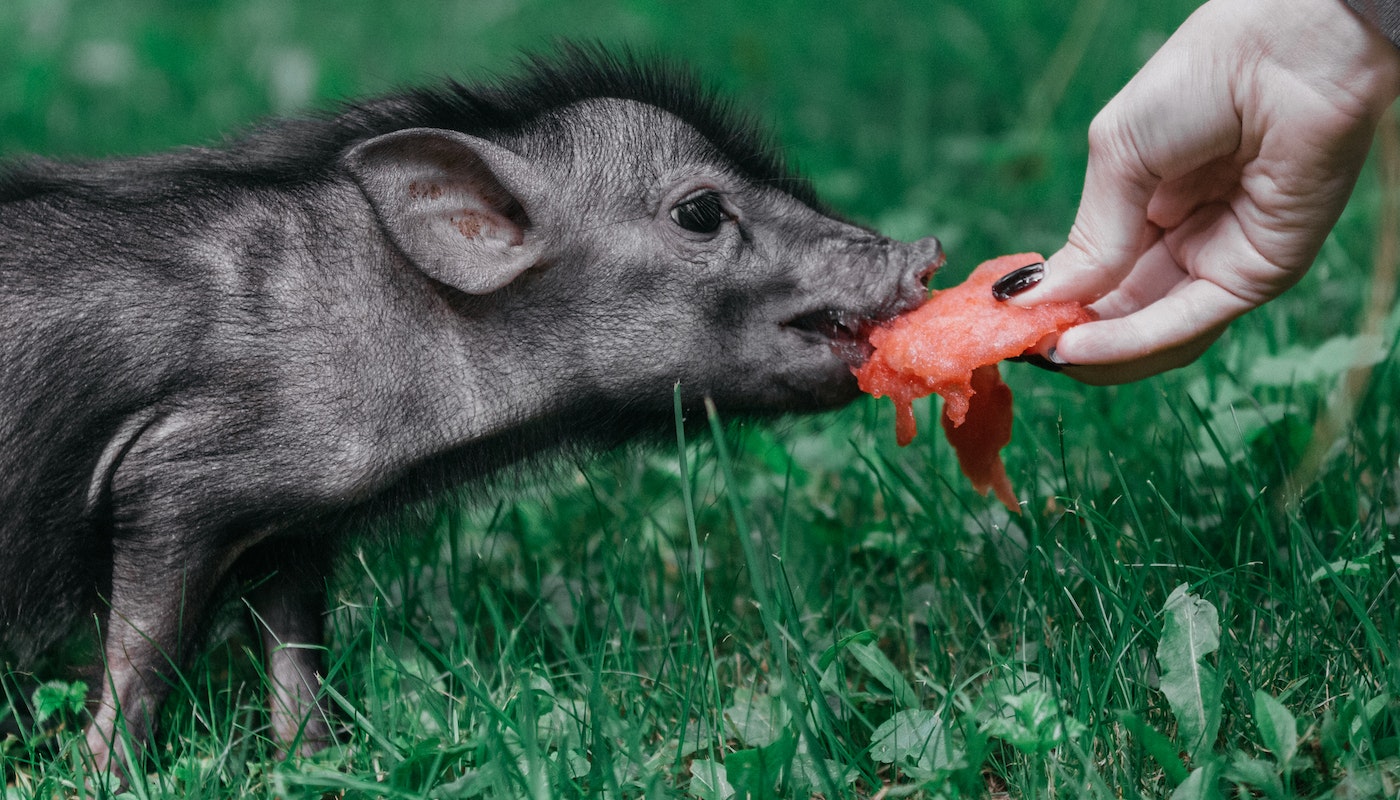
[929, 253]
[926, 274]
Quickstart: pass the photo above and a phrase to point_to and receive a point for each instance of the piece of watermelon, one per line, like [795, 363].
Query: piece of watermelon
[985, 429]
[939, 348]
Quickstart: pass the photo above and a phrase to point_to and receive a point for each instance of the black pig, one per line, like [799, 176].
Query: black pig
[214, 360]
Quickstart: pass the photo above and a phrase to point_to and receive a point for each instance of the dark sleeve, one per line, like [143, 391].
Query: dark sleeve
[1384, 14]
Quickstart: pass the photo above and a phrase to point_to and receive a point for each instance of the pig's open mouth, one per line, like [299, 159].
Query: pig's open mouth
[847, 332]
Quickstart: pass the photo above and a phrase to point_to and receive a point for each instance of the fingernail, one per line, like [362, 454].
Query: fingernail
[1038, 361]
[1053, 356]
[1017, 281]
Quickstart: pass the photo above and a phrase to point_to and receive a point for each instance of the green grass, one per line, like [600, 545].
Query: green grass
[802, 607]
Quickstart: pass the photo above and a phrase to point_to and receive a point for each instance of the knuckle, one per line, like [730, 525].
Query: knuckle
[1106, 131]
[1115, 146]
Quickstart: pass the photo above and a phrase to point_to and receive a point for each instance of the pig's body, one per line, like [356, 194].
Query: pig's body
[213, 361]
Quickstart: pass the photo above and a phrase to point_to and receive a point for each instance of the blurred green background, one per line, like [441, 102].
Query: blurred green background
[961, 119]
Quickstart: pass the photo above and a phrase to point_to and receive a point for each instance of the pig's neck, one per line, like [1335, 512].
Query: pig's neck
[498, 386]
[500, 408]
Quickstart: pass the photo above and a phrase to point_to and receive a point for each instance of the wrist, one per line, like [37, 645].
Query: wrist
[1383, 15]
[1372, 27]
[1375, 52]
[1326, 46]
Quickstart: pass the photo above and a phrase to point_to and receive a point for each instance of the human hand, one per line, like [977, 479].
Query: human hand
[1214, 176]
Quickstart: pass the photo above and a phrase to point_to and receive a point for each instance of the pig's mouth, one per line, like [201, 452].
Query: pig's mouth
[846, 332]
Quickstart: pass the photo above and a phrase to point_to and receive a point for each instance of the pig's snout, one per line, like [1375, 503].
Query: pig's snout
[892, 278]
[909, 266]
[926, 256]
[922, 259]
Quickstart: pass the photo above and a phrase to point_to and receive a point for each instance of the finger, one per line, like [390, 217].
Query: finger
[1155, 275]
[1178, 319]
[1217, 246]
[1124, 372]
[1180, 356]
[1177, 198]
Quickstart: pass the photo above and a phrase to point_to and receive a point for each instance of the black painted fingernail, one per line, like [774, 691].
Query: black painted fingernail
[1038, 361]
[1018, 280]
[1053, 356]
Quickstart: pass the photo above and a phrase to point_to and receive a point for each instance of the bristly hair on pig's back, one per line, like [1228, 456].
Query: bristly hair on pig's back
[578, 72]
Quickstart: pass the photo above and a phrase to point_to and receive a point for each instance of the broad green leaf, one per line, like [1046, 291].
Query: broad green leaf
[1332, 735]
[754, 772]
[1368, 782]
[1243, 421]
[1375, 705]
[1010, 682]
[709, 780]
[1201, 784]
[755, 718]
[829, 655]
[1032, 722]
[883, 670]
[56, 697]
[576, 763]
[918, 739]
[1190, 633]
[1340, 569]
[1347, 727]
[808, 779]
[698, 736]
[1255, 773]
[426, 757]
[1277, 728]
[108, 784]
[1359, 565]
[1332, 358]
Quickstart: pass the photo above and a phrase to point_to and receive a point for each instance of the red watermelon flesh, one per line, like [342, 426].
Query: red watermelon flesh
[941, 346]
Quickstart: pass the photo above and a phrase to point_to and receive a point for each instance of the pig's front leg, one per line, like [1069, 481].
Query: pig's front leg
[287, 609]
[158, 597]
[176, 503]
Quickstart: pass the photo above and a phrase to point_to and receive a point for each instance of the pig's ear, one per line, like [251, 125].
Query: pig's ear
[452, 203]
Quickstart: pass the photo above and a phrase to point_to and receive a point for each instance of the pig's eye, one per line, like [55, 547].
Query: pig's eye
[699, 214]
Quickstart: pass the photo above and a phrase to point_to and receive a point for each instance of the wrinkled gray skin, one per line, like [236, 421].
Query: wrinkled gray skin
[205, 377]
